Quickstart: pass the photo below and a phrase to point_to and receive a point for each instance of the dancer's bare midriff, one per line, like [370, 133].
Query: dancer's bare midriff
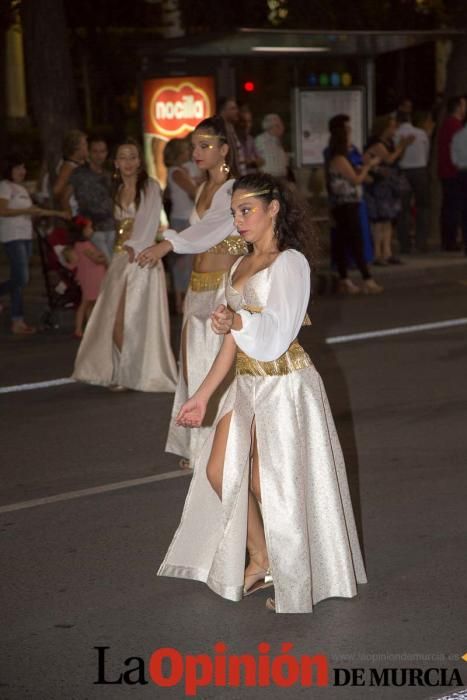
[213, 262]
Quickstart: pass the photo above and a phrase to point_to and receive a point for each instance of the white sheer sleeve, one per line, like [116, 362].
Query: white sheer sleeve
[267, 335]
[216, 224]
[147, 218]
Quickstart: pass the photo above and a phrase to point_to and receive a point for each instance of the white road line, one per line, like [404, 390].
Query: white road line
[333, 340]
[105, 488]
[396, 331]
[36, 385]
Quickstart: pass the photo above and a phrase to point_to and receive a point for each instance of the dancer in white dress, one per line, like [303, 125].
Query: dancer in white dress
[274, 444]
[213, 239]
[126, 343]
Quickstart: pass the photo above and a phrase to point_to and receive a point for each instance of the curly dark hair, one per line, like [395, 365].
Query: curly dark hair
[142, 176]
[294, 226]
[217, 126]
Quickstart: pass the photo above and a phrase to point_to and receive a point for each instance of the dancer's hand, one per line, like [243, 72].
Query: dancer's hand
[131, 252]
[192, 413]
[149, 257]
[222, 320]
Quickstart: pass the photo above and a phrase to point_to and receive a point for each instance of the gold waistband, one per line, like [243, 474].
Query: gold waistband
[124, 231]
[233, 245]
[207, 281]
[295, 358]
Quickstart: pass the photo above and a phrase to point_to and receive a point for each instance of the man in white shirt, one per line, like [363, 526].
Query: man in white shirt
[414, 165]
[269, 147]
[459, 158]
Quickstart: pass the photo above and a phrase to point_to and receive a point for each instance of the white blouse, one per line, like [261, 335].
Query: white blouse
[15, 228]
[267, 335]
[147, 218]
[215, 225]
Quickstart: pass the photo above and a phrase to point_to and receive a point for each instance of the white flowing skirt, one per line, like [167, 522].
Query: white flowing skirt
[202, 346]
[146, 362]
[312, 542]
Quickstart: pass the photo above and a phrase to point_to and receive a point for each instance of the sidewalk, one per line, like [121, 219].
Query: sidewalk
[430, 268]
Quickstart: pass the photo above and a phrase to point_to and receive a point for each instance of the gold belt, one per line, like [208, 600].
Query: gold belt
[295, 358]
[206, 281]
[233, 245]
[124, 231]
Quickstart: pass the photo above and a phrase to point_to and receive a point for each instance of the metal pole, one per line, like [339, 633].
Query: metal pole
[370, 91]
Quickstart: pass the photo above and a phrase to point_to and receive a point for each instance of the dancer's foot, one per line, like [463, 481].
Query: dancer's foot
[118, 387]
[257, 574]
[257, 581]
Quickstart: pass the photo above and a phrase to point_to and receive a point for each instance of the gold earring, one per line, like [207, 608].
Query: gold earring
[225, 170]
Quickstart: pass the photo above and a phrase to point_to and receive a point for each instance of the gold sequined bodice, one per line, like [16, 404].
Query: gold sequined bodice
[233, 245]
[124, 231]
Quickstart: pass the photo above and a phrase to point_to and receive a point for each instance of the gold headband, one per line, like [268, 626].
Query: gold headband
[209, 136]
[256, 194]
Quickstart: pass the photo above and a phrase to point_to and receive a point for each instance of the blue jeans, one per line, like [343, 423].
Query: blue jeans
[104, 240]
[18, 254]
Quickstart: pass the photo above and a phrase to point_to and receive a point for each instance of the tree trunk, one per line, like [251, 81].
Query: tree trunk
[457, 67]
[3, 109]
[49, 74]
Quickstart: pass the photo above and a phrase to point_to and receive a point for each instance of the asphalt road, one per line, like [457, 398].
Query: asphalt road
[79, 573]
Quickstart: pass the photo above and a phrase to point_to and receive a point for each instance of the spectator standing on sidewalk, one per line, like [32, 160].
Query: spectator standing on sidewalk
[227, 108]
[91, 186]
[181, 188]
[16, 232]
[339, 121]
[75, 153]
[270, 148]
[448, 173]
[344, 188]
[252, 158]
[383, 193]
[413, 165]
[459, 158]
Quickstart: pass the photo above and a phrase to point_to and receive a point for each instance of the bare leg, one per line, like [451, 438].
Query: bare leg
[119, 321]
[378, 232]
[256, 541]
[80, 317]
[89, 308]
[386, 239]
[178, 301]
[215, 467]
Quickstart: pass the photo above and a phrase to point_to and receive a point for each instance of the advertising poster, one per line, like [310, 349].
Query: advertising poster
[172, 107]
[314, 108]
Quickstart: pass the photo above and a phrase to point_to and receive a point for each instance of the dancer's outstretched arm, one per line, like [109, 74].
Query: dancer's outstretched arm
[192, 412]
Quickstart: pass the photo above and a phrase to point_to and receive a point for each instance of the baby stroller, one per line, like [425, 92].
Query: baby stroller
[62, 289]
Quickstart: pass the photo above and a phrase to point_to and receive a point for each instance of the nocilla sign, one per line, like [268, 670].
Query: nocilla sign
[174, 106]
